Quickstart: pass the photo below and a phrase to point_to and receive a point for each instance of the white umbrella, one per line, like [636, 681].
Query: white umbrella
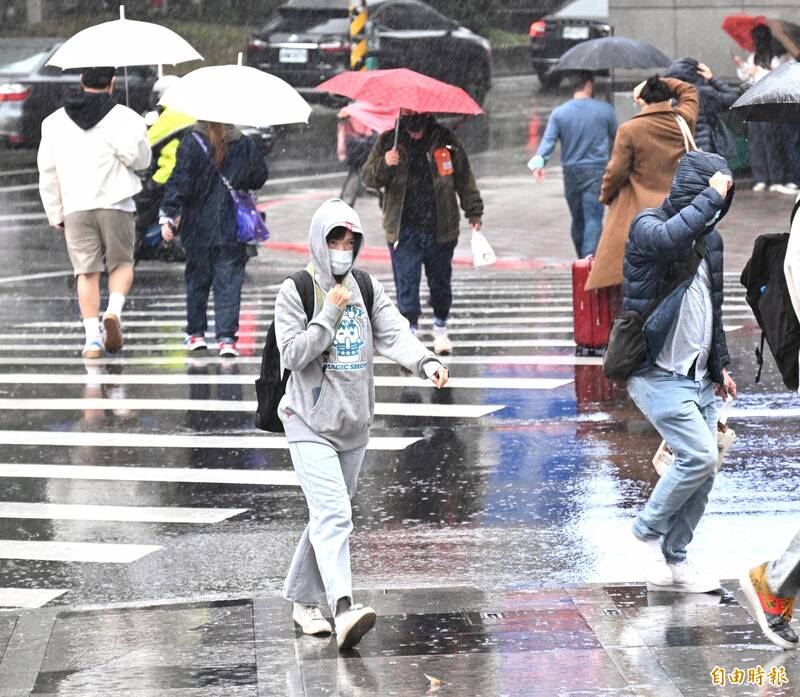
[122, 43]
[237, 94]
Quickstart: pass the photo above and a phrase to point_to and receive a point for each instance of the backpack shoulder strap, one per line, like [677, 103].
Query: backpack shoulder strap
[364, 281]
[305, 288]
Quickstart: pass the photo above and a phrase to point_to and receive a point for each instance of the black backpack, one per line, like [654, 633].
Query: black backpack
[768, 297]
[271, 385]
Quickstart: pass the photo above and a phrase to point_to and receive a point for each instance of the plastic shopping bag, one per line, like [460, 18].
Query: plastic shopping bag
[482, 252]
[664, 456]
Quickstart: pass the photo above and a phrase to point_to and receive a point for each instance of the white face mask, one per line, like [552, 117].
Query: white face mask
[341, 261]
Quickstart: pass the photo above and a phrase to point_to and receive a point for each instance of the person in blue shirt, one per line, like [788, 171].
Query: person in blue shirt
[586, 128]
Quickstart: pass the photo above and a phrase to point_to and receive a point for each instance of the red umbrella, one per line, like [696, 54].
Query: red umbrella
[402, 89]
[740, 26]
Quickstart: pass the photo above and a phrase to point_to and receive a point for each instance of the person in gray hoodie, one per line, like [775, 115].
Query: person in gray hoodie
[327, 411]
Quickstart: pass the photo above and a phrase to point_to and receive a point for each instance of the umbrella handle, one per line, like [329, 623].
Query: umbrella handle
[397, 130]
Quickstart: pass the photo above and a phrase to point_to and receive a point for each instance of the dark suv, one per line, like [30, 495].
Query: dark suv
[305, 42]
[554, 35]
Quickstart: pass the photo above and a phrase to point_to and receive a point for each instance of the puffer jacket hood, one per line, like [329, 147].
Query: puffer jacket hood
[685, 69]
[331, 214]
[691, 179]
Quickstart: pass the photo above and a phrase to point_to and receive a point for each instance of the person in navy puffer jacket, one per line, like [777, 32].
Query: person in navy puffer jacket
[686, 361]
[716, 96]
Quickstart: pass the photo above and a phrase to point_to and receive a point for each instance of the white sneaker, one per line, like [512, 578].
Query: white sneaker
[654, 567]
[760, 186]
[353, 624]
[687, 578]
[792, 186]
[310, 620]
[442, 346]
[782, 189]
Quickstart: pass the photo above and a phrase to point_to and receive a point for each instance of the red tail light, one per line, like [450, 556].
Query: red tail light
[537, 29]
[14, 92]
[254, 44]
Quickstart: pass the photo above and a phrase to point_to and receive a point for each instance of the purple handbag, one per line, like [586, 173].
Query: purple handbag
[250, 225]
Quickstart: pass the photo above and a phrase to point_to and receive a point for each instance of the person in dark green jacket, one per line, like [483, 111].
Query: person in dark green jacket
[424, 178]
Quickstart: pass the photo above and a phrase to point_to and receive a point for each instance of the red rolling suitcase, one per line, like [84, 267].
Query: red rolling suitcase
[593, 311]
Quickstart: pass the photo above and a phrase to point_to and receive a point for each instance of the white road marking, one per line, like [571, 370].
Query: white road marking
[481, 383]
[151, 474]
[222, 405]
[102, 439]
[504, 308]
[100, 552]
[35, 276]
[120, 514]
[28, 598]
[764, 412]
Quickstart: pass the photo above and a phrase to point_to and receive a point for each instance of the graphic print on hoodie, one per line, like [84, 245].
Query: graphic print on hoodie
[330, 395]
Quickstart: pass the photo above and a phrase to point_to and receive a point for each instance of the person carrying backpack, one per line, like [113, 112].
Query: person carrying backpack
[327, 409]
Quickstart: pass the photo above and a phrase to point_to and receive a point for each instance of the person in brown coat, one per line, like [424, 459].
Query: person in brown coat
[639, 174]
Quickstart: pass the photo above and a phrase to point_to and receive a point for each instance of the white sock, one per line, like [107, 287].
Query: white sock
[91, 326]
[116, 302]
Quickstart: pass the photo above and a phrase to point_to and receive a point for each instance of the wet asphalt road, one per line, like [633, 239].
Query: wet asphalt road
[142, 478]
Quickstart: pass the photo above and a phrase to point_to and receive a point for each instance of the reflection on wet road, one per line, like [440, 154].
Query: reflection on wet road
[143, 477]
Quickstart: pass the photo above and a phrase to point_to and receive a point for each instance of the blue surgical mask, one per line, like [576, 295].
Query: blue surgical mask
[341, 261]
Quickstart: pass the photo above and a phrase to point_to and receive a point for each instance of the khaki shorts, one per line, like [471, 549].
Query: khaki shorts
[101, 239]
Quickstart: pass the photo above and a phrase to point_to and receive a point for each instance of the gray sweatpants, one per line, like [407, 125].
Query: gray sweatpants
[321, 563]
[783, 573]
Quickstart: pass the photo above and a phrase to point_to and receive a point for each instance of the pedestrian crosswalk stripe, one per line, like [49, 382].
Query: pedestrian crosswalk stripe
[28, 598]
[159, 440]
[503, 308]
[120, 514]
[226, 405]
[183, 361]
[482, 383]
[151, 474]
[99, 552]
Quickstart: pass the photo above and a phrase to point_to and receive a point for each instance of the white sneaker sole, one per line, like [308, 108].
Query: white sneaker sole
[759, 615]
[113, 330]
[353, 634]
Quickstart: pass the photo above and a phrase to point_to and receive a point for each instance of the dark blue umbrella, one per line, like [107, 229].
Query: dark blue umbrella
[612, 53]
[775, 97]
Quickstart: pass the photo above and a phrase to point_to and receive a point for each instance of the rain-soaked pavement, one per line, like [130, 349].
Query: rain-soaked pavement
[145, 525]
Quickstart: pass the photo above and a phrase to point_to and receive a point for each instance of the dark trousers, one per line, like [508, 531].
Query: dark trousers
[220, 268]
[418, 248]
[582, 191]
[768, 158]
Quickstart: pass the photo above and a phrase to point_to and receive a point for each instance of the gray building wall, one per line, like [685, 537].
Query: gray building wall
[689, 28]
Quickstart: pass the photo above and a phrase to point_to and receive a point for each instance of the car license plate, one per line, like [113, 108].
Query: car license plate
[294, 55]
[576, 33]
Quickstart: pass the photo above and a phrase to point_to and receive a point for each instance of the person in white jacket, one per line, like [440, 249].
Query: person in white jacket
[88, 156]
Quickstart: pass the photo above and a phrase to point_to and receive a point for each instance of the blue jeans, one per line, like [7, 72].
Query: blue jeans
[220, 268]
[418, 248]
[582, 191]
[684, 412]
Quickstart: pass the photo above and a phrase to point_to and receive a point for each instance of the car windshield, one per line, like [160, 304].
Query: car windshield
[295, 21]
[23, 56]
[584, 8]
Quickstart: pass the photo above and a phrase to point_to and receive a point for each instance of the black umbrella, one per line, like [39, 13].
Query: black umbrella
[612, 53]
[775, 97]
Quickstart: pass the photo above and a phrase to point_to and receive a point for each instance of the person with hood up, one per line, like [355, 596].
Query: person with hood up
[197, 202]
[716, 96]
[646, 152]
[327, 410]
[88, 156]
[686, 361]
